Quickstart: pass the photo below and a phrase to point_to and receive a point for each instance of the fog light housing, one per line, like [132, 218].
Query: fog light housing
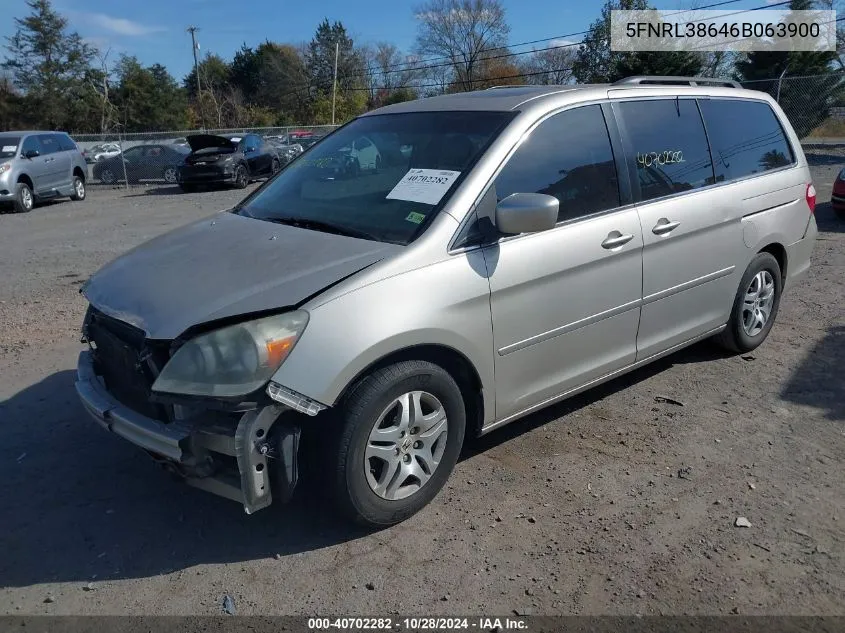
[294, 400]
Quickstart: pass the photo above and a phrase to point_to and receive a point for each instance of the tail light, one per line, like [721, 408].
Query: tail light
[811, 197]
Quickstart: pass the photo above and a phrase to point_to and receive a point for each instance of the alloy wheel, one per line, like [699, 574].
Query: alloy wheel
[758, 302]
[26, 198]
[406, 445]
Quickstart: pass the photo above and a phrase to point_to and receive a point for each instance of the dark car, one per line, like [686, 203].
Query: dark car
[837, 199]
[231, 160]
[287, 152]
[142, 162]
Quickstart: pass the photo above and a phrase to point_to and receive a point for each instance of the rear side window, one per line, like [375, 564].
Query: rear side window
[668, 146]
[65, 143]
[745, 136]
[567, 156]
[49, 144]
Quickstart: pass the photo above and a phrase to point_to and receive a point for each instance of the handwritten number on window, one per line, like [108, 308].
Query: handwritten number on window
[667, 157]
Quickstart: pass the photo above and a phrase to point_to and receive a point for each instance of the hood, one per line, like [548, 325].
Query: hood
[204, 141]
[224, 266]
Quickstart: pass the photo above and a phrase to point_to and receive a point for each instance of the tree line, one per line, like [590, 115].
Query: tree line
[53, 79]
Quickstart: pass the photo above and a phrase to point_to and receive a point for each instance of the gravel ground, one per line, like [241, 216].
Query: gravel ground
[610, 503]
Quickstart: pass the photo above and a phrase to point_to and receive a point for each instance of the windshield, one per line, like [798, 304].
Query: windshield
[9, 146]
[382, 177]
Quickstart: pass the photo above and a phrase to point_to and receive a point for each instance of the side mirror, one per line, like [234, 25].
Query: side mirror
[527, 213]
[32, 153]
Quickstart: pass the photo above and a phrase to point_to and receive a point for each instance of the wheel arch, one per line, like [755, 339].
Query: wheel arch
[778, 251]
[77, 171]
[25, 179]
[459, 367]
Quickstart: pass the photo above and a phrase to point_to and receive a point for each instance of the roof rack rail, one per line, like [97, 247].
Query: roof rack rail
[497, 87]
[677, 81]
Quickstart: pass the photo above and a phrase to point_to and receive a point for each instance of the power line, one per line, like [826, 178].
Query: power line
[419, 65]
[414, 63]
[371, 75]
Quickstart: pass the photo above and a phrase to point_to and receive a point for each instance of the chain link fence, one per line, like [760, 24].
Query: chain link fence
[814, 104]
[155, 157]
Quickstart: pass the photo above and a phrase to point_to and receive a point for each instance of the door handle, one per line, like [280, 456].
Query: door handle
[616, 239]
[664, 226]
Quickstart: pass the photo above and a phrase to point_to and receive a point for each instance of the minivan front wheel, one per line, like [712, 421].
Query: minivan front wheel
[402, 431]
[24, 200]
[755, 305]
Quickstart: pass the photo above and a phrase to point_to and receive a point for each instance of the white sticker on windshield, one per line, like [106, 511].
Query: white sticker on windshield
[235, 139]
[9, 148]
[424, 185]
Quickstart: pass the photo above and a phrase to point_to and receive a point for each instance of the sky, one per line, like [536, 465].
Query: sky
[154, 30]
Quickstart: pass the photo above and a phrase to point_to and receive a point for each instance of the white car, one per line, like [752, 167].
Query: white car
[102, 152]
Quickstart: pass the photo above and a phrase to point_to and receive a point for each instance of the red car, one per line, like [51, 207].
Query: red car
[837, 200]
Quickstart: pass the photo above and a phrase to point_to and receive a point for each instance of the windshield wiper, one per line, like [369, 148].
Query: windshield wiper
[326, 227]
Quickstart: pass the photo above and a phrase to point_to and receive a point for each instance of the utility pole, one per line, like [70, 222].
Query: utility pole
[780, 81]
[334, 83]
[194, 46]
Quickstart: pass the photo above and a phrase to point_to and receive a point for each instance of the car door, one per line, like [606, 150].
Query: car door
[154, 162]
[36, 168]
[64, 160]
[52, 155]
[565, 303]
[691, 231]
[251, 156]
[133, 161]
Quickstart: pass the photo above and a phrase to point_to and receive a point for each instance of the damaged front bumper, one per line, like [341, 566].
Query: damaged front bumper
[228, 456]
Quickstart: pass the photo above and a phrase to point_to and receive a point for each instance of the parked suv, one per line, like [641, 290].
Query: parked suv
[36, 166]
[234, 159]
[516, 246]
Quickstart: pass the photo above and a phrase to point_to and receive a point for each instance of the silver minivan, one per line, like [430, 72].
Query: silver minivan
[505, 250]
[36, 166]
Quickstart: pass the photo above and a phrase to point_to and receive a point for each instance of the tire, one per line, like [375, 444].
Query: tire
[241, 177]
[376, 486]
[78, 194]
[744, 331]
[188, 188]
[275, 166]
[107, 177]
[24, 200]
[170, 175]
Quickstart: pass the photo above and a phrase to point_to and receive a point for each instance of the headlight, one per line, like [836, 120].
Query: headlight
[234, 360]
[5, 167]
[841, 175]
[226, 161]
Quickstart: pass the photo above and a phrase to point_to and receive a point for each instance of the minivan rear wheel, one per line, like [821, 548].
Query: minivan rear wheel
[78, 194]
[402, 428]
[755, 305]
